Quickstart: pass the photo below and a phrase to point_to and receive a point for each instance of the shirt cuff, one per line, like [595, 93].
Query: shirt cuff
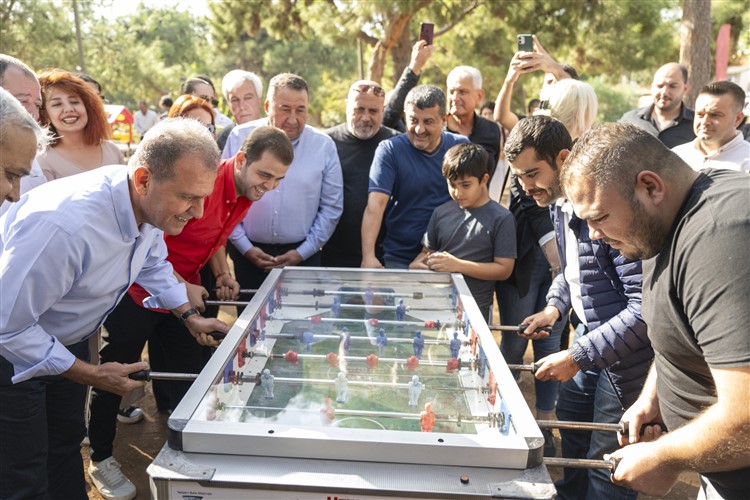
[306, 250]
[169, 299]
[58, 360]
[546, 238]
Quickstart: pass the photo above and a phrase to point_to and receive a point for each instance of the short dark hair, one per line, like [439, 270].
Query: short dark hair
[612, 154]
[286, 81]
[166, 101]
[545, 135]
[570, 70]
[532, 103]
[267, 138]
[488, 105]
[465, 160]
[426, 96]
[723, 88]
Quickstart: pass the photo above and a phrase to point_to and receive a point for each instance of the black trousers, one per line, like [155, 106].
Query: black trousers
[171, 348]
[41, 427]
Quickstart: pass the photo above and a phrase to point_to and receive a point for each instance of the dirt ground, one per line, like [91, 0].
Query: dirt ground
[137, 445]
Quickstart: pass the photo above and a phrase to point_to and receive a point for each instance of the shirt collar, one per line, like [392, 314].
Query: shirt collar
[124, 212]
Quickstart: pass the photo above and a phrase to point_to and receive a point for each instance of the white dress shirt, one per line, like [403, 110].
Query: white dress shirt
[734, 155]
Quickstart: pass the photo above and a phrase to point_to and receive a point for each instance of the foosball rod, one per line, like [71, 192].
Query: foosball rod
[319, 293]
[396, 340]
[147, 375]
[363, 413]
[317, 306]
[323, 357]
[580, 463]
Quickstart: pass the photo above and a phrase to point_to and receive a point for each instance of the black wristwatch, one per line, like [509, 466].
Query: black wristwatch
[184, 316]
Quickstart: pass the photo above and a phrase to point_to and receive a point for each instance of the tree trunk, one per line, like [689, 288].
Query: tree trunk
[695, 46]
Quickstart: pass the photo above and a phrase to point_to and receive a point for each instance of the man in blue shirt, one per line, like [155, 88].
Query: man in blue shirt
[406, 181]
[290, 224]
[69, 251]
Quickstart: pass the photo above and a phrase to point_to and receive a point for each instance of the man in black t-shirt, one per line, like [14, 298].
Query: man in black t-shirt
[694, 229]
[356, 141]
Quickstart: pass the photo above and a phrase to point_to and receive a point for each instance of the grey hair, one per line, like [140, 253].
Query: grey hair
[470, 71]
[426, 96]
[237, 77]
[171, 139]
[573, 103]
[14, 115]
[6, 61]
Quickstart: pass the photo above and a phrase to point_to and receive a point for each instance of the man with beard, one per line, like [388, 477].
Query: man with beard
[693, 228]
[356, 141]
[667, 118]
[603, 371]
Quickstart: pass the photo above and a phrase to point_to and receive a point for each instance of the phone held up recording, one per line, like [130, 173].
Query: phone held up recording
[426, 32]
[525, 43]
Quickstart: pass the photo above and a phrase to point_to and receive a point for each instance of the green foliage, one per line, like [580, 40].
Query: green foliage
[614, 100]
[151, 51]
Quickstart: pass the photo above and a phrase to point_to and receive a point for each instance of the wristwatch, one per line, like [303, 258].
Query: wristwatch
[184, 316]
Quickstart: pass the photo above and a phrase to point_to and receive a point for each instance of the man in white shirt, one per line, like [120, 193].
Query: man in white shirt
[718, 143]
[21, 82]
[144, 118]
[20, 138]
[69, 250]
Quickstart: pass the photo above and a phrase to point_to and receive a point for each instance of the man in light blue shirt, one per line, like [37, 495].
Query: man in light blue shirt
[69, 250]
[290, 224]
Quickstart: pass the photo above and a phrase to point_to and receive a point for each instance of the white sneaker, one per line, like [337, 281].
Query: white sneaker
[110, 481]
[130, 415]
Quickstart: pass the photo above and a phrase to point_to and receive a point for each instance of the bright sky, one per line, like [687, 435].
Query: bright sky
[119, 8]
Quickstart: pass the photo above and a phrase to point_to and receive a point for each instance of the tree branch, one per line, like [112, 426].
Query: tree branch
[473, 5]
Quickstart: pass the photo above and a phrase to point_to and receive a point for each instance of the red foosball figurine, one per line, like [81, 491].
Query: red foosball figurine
[332, 359]
[291, 357]
[412, 363]
[372, 361]
[427, 420]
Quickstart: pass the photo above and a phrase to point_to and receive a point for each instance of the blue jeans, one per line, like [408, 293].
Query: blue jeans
[513, 310]
[589, 397]
[41, 428]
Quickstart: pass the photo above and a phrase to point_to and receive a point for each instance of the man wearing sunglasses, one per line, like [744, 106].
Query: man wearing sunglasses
[356, 141]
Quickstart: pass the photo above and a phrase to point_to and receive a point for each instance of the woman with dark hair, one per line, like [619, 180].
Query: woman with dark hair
[76, 117]
[190, 106]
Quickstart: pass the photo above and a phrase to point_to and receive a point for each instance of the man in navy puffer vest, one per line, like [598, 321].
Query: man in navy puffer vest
[605, 367]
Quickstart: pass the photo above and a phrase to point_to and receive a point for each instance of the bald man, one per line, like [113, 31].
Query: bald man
[356, 141]
[667, 118]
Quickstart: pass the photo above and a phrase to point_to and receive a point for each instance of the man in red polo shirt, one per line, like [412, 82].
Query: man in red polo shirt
[259, 166]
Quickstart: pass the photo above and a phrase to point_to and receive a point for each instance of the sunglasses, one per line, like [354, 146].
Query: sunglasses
[365, 88]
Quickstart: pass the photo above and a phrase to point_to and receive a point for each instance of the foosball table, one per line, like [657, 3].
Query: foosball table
[354, 384]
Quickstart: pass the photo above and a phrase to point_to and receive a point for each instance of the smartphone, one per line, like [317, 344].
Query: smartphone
[426, 31]
[525, 43]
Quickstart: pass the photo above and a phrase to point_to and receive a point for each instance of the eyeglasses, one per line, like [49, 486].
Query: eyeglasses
[211, 127]
[544, 105]
[364, 88]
